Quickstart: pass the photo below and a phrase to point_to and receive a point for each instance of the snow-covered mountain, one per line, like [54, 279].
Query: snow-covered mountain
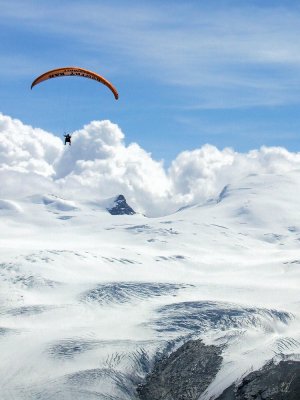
[90, 300]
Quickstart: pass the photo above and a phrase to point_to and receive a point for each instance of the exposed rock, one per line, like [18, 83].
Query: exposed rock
[184, 375]
[223, 194]
[272, 382]
[120, 207]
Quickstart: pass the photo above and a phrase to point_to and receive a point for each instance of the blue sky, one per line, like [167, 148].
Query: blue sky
[188, 72]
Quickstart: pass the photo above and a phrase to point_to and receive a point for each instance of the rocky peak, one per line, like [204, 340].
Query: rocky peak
[120, 207]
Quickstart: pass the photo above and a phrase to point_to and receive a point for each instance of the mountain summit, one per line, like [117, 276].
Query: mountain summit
[120, 207]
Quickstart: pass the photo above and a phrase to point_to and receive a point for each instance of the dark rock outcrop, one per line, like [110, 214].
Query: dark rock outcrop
[272, 382]
[183, 375]
[120, 207]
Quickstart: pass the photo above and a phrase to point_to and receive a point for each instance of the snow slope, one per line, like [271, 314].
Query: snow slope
[89, 300]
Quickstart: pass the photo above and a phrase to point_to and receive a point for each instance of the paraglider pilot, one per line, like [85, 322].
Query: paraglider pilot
[68, 139]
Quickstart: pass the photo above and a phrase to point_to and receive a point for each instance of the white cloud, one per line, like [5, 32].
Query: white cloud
[195, 174]
[103, 165]
[100, 165]
[27, 149]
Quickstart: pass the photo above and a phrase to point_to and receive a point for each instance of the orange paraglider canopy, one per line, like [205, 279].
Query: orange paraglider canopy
[75, 71]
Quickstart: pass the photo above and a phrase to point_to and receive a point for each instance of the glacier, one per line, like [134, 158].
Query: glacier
[89, 301]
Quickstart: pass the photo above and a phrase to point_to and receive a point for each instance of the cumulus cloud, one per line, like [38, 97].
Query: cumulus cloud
[27, 149]
[102, 165]
[99, 165]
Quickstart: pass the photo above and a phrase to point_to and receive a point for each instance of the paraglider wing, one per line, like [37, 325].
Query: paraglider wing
[75, 71]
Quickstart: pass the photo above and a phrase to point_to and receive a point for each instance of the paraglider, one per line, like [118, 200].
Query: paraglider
[68, 138]
[75, 71]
